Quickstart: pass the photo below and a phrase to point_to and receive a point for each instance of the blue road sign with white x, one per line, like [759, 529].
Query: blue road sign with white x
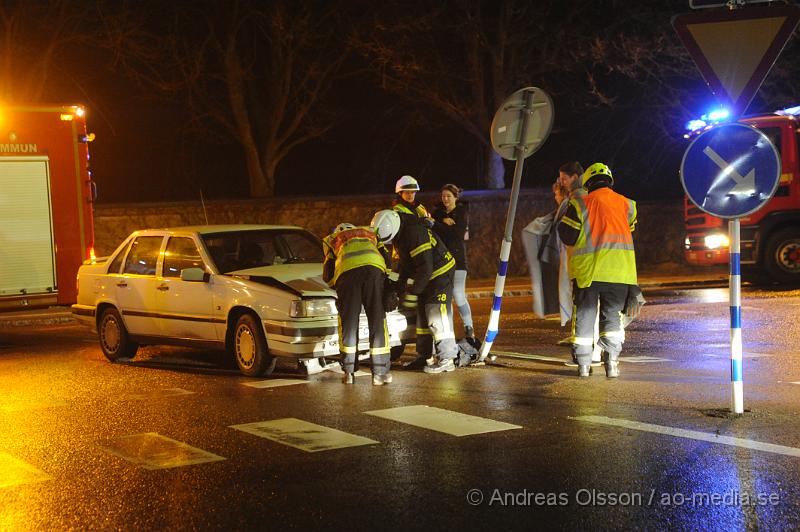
[731, 170]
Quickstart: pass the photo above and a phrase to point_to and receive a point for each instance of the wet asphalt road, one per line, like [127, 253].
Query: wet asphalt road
[63, 409]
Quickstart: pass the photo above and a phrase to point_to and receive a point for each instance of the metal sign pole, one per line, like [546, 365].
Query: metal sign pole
[505, 248]
[737, 384]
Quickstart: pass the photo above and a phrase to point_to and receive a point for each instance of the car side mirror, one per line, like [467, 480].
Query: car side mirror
[197, 275]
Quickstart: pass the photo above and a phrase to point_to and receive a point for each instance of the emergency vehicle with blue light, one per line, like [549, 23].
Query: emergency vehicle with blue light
[770, 237]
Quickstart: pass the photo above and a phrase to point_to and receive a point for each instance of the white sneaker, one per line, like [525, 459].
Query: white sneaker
[441, 366]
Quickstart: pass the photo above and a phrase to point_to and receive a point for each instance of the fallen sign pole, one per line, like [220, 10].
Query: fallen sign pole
[520, 127]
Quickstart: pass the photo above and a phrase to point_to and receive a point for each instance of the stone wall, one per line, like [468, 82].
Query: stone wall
[659, 237]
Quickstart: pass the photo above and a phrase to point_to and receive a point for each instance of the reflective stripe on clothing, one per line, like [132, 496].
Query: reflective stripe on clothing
[353, 248]
[604, 247]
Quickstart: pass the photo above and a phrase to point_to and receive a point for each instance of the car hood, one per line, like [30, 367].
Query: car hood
[301, 279]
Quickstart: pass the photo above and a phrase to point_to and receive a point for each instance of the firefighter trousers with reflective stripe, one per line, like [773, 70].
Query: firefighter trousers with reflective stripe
[434, 320]
[612, 334]
[356, 288]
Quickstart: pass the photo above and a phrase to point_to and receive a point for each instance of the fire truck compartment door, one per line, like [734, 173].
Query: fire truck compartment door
[27, 259]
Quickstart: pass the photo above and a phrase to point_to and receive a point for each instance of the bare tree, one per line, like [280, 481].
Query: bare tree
[258, 68]
[464, 57]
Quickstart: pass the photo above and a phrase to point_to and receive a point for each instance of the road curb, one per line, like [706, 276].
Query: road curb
[32, 320]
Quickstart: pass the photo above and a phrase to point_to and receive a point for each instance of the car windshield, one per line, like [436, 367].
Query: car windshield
[241, 250]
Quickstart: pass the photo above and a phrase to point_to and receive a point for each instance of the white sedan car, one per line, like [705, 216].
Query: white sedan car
[254, 290]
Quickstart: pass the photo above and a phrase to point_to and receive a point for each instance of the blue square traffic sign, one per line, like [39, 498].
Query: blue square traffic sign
[731, 170]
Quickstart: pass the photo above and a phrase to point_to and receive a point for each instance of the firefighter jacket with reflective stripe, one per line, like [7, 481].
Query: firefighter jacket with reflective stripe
[422, 256]
[404, 207]
[597, 228]
[349, 249]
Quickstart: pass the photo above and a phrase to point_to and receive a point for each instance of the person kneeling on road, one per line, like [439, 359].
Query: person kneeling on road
[426, 275]
[355, 265]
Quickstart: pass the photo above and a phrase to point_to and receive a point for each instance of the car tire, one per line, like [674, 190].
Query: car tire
[249, 347]
[782, 256]
[397, 352]
[114, 339]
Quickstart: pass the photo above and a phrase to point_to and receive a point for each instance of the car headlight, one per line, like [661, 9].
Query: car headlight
[313, 308]
[717, 241]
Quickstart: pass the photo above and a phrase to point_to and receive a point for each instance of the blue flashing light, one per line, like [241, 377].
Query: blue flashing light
[694, 125]
[717, 115]
[789, 111]
[709, 119]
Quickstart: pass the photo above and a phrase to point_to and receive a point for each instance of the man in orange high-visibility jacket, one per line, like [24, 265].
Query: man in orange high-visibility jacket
[597, 229]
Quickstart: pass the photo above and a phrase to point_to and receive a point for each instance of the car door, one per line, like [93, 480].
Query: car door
[136, 286]
[186, 307]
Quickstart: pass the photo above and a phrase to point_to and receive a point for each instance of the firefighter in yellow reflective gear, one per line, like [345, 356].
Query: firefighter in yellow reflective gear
[406, 189]
[429, 267]
[597, 228]
[355, 265]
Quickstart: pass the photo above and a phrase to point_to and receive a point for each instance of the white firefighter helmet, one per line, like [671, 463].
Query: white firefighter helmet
[386, 223]
[343, 227]
[406, 184]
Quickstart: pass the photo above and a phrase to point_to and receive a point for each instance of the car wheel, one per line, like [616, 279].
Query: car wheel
[782, 259]
[250, 348]
[114, 339]
[397, 351]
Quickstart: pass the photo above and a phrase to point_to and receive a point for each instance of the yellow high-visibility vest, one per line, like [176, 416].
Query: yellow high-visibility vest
[353, 248]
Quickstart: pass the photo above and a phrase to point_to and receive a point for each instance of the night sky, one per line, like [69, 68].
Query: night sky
[145, 152]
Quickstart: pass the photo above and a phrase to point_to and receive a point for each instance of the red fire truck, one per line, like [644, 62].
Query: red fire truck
[770, 237]
[46, 204]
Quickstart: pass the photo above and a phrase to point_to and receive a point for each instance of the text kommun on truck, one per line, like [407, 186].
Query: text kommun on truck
[46, 204]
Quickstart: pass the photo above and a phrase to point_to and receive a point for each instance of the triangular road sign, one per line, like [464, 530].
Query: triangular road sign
[735, 49]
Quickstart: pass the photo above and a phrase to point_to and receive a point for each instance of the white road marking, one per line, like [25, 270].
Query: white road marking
[527, 356]
[14, 471]
[795, 382]
[440, 420]
[273, 383]
[303, 435]
[744, 355]
[691, 434]
[154, 451]
[158, 394]
[643, 359]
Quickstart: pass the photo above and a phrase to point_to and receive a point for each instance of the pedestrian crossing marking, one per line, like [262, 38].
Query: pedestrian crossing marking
[158, 394]
[14, 471]
[303, 435]
[151, 450]
[440, 420]
[691, 434]
[34, 405]
[274, 383]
